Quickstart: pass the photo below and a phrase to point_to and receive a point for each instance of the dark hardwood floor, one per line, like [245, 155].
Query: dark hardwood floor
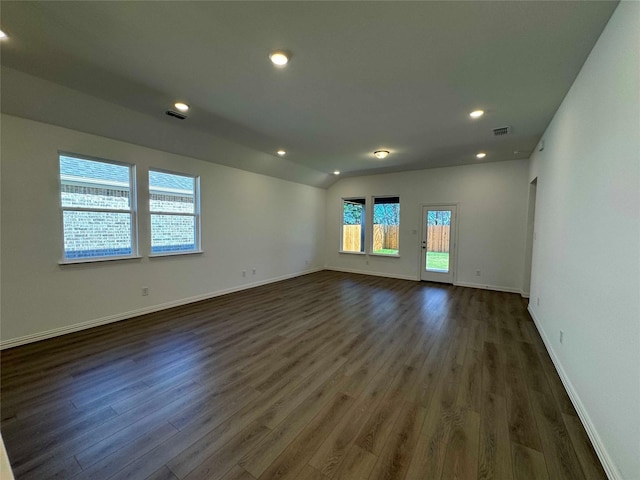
[326, 376]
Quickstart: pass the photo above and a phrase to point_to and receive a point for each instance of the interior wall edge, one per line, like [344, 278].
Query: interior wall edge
[607, 463]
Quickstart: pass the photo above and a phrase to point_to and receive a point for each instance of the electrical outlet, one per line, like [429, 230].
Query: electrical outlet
[477, 273]
[145, 291]
[537, 301]
[306, 262]
[561, 336]
[244, 273]
[254, 271]
[367, 262]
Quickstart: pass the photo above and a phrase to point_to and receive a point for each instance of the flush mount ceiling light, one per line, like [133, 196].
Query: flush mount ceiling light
[280, 57]
[3, 35]
[476, 113]
[481, 155]
[381, 154]
[281, 152]
[183, 107]
[336, 172]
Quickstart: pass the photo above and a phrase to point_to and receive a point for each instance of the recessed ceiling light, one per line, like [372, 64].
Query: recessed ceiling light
[3, 35]
[476, 113]
[280, 57]
[183, 107]
[282, 153]
[336, 172]
[381, 154]
[481, 155]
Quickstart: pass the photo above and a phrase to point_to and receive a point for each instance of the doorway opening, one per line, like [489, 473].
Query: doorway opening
[528, 254]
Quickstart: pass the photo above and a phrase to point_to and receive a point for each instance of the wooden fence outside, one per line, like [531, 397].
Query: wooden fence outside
[387, 237]
[351, 238]
[438, 238]
[384, 237]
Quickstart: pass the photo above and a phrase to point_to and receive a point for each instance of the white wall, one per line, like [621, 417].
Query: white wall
[492, 210]
[586, 258]
[248, 221]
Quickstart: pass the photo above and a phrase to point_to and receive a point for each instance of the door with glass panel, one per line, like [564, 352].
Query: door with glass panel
[438, 243]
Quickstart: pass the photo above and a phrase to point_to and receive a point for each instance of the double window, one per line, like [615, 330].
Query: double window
[99, 205]
[385, 231]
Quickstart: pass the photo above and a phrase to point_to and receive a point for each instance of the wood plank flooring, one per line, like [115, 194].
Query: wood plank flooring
[329, 376]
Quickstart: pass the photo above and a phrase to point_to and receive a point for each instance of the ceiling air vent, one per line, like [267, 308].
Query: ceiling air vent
[500, 131]
[171, 113]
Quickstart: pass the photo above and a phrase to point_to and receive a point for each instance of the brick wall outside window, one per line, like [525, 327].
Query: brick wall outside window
[99, 234]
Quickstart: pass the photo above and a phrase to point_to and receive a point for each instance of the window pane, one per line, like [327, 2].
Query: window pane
[353, 225]
[386, 225]
[94, 184]
[438, 240]
[96, 234]
[173, 233]
[171, 193]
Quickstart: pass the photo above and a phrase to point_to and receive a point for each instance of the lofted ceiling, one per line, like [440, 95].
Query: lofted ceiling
[400, 76]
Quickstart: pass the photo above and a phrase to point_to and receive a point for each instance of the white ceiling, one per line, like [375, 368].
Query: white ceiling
[402, 76]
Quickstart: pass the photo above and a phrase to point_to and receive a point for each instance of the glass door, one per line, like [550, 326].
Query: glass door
[438, 243]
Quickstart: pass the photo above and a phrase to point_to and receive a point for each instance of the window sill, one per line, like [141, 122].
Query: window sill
[392, 255]
[352, 253]
[97, 260]
[174, 254]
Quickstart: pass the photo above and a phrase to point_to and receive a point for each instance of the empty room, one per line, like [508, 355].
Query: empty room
[320, 240]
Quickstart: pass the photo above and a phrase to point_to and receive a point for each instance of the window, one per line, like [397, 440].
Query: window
[386, 225]
[353, 224]
[174, 203]
[98, 208]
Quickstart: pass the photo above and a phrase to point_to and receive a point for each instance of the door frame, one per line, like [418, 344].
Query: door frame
[453, 259]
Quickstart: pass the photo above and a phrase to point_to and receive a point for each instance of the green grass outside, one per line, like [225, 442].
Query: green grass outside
[386, 251]
[437, 261]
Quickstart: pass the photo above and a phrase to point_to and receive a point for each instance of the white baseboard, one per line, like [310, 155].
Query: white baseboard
[36, 337]
[496, 288]
[375, 274]
[607, 463]
[525, 295]
[409, 277]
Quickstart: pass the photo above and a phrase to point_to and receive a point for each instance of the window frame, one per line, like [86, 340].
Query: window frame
[132, 211]
[373, 224]
[363, 228]
[197, 214]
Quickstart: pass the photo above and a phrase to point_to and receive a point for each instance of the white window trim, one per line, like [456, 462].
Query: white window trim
[98, 260]
[173, 254]
[133, 203]
[196, 214]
